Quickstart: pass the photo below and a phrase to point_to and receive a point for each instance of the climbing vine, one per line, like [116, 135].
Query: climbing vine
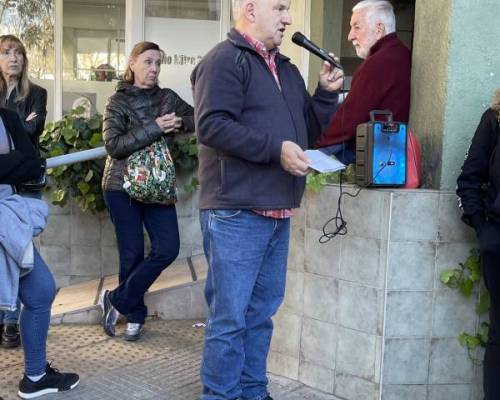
[465, 278]
[315, 180]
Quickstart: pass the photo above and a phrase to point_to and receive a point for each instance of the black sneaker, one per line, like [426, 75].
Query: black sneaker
[109, 313]
[10, 336]
[53, 382]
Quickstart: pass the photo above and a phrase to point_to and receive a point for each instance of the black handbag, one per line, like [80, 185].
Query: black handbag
[35, 185]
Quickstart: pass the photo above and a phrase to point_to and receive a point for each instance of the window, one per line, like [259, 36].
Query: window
[195, 9]
[185, 31]
[93, 52]
[32, 21]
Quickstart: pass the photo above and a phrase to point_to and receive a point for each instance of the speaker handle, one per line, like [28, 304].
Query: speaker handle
[374, 113]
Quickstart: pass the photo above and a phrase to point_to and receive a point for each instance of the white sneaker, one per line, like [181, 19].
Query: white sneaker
[132, 331]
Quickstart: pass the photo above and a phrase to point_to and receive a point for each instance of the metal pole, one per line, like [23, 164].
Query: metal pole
[85, 155]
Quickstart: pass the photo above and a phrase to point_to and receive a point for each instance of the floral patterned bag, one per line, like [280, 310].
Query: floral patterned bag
[150, 174]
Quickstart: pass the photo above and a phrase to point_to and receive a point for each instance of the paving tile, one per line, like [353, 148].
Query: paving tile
[363, 260]
[281, 364]
[411, 265]
[408, 314]
[397, 369]
[200, 266]
[357, 354]
[57, 258]
[354, 388]
[316, 377]
[286, 336]
[85, 230]
[176, 274]
[367, 215]
[449, 363]
[449, 392]
[57, 231]
[451, 227]
[164, 364]
[110, 282]
[453, 313]
[75, 297]
[320, 297]
[296, 254]
[85, 260]
[318, 343]
[322, 259]
[408, 208]
[367, 315]
[406, 392]
[294, 293]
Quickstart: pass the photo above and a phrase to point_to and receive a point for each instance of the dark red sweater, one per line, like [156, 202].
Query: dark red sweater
[381, 82]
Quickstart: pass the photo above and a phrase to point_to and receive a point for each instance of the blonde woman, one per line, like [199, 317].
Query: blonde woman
[29, 101]
[17, 92]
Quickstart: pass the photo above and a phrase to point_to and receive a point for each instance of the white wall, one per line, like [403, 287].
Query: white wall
[184, 42]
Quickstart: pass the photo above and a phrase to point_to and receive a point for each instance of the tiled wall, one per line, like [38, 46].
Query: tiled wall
[80, 246]
[365, 316]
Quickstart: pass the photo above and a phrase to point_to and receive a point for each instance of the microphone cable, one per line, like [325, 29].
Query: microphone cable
[340, 222]
[338, 219]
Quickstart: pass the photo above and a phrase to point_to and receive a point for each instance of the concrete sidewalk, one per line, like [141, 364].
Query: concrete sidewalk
[162, 365]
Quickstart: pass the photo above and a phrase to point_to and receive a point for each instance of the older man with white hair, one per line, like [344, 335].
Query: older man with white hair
[382, 81]
[254, 119]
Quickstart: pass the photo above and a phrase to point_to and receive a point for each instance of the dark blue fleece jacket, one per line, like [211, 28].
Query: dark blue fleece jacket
[242, 118]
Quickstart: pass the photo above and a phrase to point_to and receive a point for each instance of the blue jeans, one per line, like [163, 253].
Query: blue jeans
[137, 273]
[36, 291]
[247, 256]
[10, 317]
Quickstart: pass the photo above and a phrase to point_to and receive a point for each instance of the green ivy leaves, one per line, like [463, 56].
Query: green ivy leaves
[81, 181]
[465, 278]
[184, 152]
[315, 180]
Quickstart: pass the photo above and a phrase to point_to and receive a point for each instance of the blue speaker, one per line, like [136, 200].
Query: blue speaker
[381, 151]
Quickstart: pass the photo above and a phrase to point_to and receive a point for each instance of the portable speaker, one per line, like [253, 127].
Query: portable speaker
[381, 151]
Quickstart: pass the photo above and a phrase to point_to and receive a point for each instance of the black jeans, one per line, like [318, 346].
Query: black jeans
[489, 240]
[137, 273]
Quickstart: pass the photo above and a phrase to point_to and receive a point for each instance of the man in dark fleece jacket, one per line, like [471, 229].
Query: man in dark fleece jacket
[382, 81]
[254, 118]
[478, 188]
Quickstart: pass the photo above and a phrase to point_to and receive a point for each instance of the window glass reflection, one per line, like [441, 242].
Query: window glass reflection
[185, 31]
[93, 51]
[193, 9]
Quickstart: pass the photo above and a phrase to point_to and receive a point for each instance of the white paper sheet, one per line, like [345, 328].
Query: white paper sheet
[320, 162]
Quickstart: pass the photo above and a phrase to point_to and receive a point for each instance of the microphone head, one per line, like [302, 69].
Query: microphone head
[298, 38]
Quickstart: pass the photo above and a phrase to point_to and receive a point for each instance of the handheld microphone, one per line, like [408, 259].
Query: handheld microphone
[300, 40]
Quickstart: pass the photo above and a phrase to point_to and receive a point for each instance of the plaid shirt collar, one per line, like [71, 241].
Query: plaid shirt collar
[269, 56]
[260, 47]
